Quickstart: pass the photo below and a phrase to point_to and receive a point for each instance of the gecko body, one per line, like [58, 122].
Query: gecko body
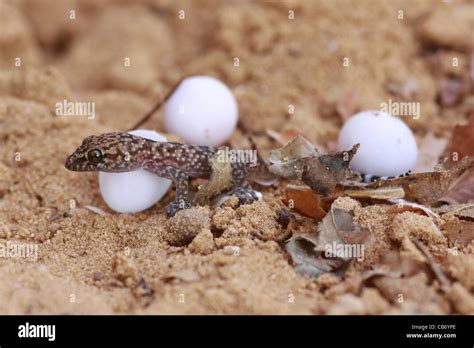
[123, 152]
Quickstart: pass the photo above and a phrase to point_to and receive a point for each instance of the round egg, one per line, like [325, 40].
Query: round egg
[201, 111]
[135, 191]
[387, 145]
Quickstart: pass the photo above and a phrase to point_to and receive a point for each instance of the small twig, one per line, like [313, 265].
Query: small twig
[157, 106]
[438, 272]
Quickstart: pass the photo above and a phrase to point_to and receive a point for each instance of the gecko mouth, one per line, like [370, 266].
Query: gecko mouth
[80, 164]
[75, 165]
[69, 163]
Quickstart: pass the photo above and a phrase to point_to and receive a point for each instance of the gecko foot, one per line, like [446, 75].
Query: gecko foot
[245, 195]
[176, 206]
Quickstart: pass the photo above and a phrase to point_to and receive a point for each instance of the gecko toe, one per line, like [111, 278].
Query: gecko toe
[174, 207]
[245, 195]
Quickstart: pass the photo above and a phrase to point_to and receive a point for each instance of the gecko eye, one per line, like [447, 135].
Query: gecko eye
[94, 156]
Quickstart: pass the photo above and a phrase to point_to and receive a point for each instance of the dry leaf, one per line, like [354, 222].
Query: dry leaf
[338, 228]
[297, 149]
[402, 206]
[462, 192]
[325, 172]
[462, 141]
[330, 249]
[307, 260]
[306, 202]
[394, 266]
[463, 211]
[384, 193]
[426, 188]
[299, 160]
[401, 266]
[459, 231]
[461, 144]
[395, 271]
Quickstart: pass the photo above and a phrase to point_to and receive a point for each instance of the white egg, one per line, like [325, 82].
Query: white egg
[387, 145]
[201, 111]
[131, 192]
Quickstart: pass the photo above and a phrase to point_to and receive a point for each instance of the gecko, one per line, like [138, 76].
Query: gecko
[118, 152]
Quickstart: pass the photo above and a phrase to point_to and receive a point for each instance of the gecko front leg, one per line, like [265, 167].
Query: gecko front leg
[240, 186]
[180, 180]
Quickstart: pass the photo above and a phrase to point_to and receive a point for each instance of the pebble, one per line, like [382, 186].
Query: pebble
[187, 224]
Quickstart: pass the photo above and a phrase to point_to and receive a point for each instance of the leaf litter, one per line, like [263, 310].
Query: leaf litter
[332, 247]
[328, 176]
[300, 160]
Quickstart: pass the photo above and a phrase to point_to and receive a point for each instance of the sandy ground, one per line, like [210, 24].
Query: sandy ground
[86, 262]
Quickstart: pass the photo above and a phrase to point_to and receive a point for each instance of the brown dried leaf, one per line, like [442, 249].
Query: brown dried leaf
[464, 211]
[325, 172]
[306, 202]
[338, 228]
[459, 231]
[427, 188]
[401, 266]
[462, 141]
[307, 260]
[394, 270]
[461, 145]
[295, 150]
[384, 193]
[402, 206]
[309, 251]
[462, 192]
[299, 160]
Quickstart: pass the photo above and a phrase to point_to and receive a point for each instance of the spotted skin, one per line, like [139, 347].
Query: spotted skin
[123, 152]
[368, 178]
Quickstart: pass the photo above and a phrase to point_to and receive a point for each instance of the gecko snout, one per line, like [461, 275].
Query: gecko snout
[76, 164]
[69, 163]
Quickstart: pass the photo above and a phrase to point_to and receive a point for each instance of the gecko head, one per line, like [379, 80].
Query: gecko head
[109, 152]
